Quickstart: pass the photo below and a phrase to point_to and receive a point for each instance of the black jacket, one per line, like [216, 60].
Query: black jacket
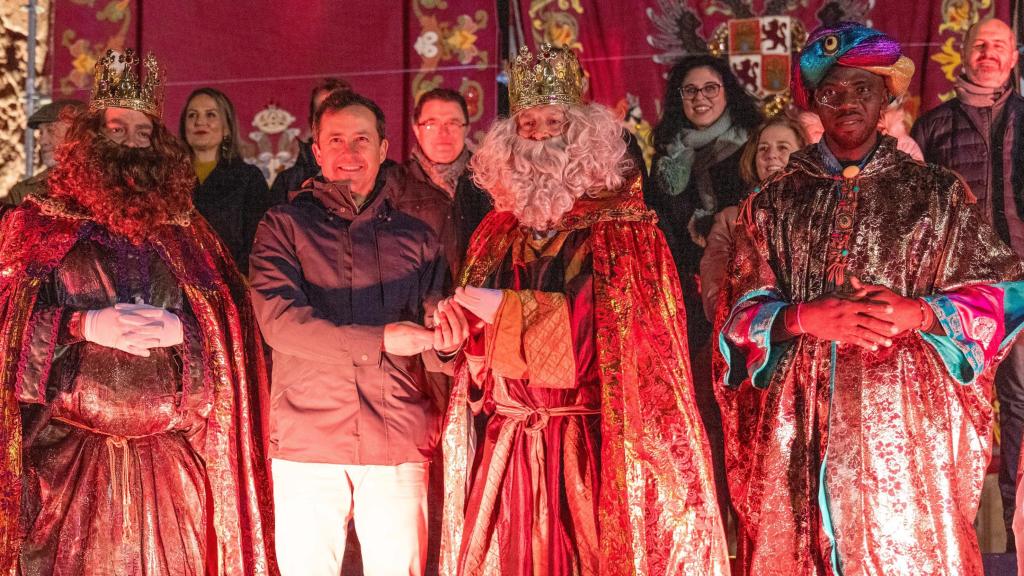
[950, 136]
[465, 211]
[293, 177]
[233, 199]
[674, 213]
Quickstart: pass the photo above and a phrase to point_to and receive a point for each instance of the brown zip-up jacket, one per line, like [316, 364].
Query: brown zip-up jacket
[325, 279]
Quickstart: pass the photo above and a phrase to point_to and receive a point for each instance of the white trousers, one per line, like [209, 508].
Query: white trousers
[313, 504]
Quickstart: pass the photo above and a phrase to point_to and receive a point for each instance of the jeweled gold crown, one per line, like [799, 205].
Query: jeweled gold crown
[554, 78]
[117, 85]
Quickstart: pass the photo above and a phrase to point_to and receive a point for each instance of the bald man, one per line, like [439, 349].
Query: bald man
[980, 134]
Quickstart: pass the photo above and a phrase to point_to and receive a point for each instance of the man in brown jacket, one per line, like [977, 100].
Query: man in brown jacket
[440, 158]
[341, 278]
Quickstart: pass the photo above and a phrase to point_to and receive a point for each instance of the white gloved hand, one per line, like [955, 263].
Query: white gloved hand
[132, 328]
[483, 302]
[149, 322]
[106, 328]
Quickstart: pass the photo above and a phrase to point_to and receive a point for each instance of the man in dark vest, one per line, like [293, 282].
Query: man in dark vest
[979, 134]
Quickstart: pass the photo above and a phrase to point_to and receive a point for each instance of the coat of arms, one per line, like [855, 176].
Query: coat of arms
[760, 46]
[760, 52]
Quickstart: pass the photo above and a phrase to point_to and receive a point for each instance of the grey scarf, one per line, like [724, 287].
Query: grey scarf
[694, 152]
[444, 176]
[979, 96]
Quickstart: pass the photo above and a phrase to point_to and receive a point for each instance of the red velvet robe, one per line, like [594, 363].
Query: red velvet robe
[129, 465]
[594, 459]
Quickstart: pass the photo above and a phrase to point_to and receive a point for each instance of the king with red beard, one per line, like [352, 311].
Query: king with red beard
[132, 380]
[593, 459]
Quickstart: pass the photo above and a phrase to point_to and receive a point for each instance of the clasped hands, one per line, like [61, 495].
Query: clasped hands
[451, 323]
[869, 317]
[132, 328]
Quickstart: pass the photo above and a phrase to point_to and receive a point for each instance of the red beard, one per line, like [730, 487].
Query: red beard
[130, 191]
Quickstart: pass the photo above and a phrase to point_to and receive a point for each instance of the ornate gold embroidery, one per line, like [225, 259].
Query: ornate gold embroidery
[54, 207]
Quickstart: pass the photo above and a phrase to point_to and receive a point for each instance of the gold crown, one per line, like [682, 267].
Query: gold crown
[555, 78]
[117, 85]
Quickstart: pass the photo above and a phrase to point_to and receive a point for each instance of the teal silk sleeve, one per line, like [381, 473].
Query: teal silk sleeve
[979, 322]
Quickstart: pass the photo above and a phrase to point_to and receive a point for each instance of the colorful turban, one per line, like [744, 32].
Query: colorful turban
[855, 46]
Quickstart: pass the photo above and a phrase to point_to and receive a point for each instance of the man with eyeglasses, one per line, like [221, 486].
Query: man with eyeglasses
[866, 307]
[980, 134]
[440, 161]
[440, 158]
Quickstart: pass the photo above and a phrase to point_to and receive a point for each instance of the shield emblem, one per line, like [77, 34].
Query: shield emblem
[745, 36]
[760, 53]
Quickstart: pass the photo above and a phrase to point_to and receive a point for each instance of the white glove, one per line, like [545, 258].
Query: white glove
[132, 328]
[151, 322]
[483, 302]
[106, 328]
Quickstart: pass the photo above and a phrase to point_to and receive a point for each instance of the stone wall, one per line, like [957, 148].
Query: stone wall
[13, 69]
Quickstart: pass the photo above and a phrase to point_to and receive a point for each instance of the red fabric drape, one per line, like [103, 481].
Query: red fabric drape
[268, 51]
[272, 51]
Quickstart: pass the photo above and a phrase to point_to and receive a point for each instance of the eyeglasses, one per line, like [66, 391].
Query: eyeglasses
[832, 97]
[709, 90]
[447, 125]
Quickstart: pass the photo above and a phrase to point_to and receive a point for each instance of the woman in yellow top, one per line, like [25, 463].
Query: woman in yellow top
[232, 195]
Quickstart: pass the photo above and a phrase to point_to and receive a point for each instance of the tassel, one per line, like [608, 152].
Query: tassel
[836, 274]
[121, 485]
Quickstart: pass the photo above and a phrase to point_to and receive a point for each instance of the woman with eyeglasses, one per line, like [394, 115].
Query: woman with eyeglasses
[232, 195]
[695, 173]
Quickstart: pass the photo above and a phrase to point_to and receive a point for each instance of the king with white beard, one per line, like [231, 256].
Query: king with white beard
[593, 459]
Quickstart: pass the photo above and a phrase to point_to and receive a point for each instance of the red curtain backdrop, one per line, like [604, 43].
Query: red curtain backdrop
[263, 52]
[271, 52]
[80, 34]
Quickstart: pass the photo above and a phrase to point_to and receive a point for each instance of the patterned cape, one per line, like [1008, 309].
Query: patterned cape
[849, 461]
[33, 241]
[657, 512]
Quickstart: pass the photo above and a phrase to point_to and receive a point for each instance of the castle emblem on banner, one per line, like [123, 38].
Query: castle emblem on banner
[760, 52]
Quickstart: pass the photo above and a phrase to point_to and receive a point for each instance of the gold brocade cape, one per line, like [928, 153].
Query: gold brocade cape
[657, 513]
[33, 241]
[844, 460]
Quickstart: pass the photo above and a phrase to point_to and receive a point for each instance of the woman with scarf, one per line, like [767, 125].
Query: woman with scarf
[696, 168]
[766, 153]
